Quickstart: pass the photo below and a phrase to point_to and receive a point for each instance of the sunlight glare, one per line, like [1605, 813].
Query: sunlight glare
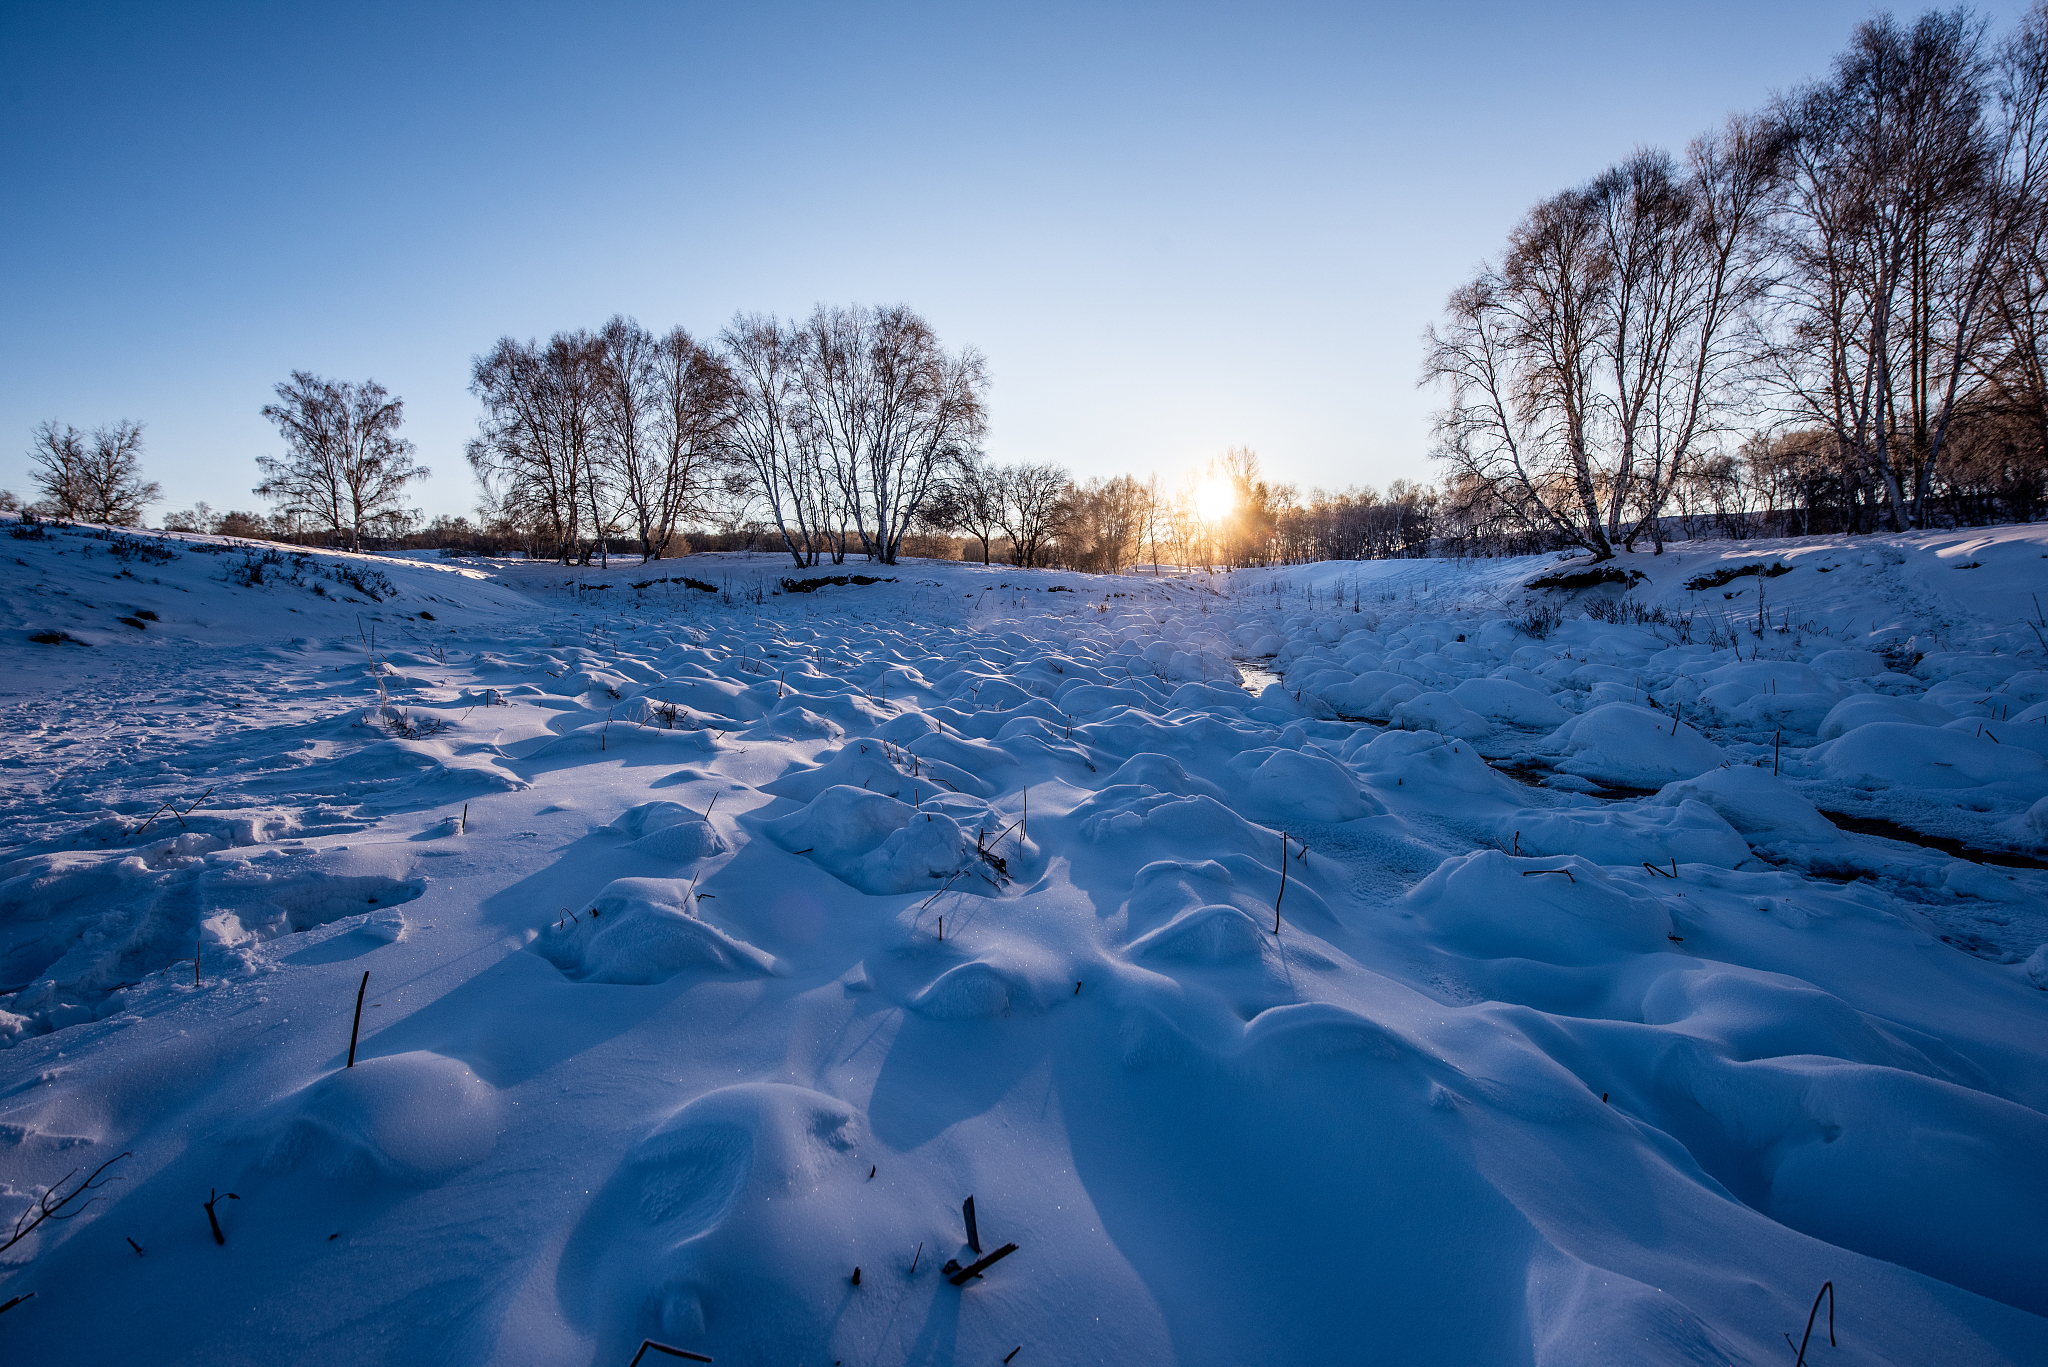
[1215, 500]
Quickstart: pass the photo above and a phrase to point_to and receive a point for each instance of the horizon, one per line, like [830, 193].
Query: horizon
[1167, 232]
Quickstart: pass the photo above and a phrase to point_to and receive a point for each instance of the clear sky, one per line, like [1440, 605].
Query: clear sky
[1172, 229]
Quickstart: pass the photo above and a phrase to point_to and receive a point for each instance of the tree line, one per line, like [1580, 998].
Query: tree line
[1831, 314]
[851, 432]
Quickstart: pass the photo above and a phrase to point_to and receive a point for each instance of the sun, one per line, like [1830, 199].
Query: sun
[1215, 500]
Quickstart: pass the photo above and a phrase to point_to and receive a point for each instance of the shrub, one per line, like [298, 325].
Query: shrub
[372, 584]
[1540, 619]
[156, 550]
[1625, 612]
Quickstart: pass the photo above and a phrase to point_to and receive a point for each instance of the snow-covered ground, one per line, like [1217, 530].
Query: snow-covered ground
[722, 940]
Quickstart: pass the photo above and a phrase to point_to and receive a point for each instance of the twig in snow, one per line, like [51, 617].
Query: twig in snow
[645, 1344]
[960, 1276]
[50, 1205]
[172, 808]
[1283, 883]
[973, 1234]
[1826, 1289]
[4, 1308]
[355, 1030]
[1531, 873]
[214, 1220]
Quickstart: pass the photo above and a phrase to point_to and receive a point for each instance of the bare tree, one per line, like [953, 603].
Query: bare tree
[969, 501]
[536, 451]
[666, 405]
[92, 479]
[2015, 366]
[1033, 495]
[1520, 354]
[1896, 221]
[928, 415]
[1102, 524]
[764, 434]
[885, 411]
[344, 464]
[1601, 357]
[1684, 267]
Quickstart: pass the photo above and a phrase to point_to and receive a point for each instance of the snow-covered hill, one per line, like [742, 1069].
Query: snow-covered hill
[1646, 957]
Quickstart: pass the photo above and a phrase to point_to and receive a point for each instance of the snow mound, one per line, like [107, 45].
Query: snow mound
[385, 927]
[640, 930]
[929, 849]
[1627, 746]
[1848, 664]
[1863, 708]
[1372, 695]
[865, 764]
[2031, 826]
[1489, 905]
[1164, 774]
[1432, 766]
[1686, 831]
[1287, 785]
[1441, 713]
[881, 845]
[1130, 811]
[1205, 935]
[685, 1230]
[1764, 808]
[1902, 755]
[669, 830]
[1507, 701]
[971, 991]
[414, 1118]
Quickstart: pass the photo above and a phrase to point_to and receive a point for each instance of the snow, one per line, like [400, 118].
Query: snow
[721, 944]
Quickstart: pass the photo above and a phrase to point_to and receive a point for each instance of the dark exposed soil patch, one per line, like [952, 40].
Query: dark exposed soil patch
[1906, 835]
[838, 580]
[1591, 577]
[1728, 574]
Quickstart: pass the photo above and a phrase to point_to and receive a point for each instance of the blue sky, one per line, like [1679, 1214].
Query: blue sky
[1172, 229]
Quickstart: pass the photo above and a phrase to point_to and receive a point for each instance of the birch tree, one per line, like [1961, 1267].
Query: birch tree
[345, 467]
